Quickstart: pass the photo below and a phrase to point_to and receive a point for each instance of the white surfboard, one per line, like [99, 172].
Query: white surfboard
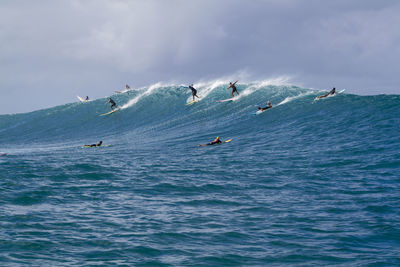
[82, 99]
[122, 91]
[112, 111]
[260, 111]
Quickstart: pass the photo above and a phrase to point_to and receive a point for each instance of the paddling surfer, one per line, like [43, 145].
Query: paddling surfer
[332, 92]
[93, 145]
[215, 141]
[267, 107]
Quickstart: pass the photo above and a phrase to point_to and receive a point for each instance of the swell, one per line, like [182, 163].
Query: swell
[159, 112]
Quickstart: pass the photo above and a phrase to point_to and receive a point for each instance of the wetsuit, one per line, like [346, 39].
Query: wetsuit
[332, 92]
[112, 103]
[93, 145]
[214, 142]
[194, 92]
[267, 107]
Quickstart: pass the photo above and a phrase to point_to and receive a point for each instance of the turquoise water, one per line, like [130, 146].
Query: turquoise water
[304, 183]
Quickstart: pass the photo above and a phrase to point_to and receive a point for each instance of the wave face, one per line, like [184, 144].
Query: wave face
[306, 182]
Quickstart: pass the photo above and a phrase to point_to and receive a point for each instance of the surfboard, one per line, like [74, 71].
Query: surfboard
[122, 91]
[81, 99]
[226, 100]
[192, 102]
[112, 111]
[258, 112]
[318, 97]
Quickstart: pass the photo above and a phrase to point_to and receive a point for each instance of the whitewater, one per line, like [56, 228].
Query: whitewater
[304, 183]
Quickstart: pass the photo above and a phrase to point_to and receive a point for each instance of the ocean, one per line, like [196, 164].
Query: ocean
[304, 183]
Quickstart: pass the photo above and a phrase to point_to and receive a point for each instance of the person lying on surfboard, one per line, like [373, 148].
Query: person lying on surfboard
[267, 107]
[93, 145]
[215, 141]
[234, 89]
[332, 92]
[113, 105]
[194, 91]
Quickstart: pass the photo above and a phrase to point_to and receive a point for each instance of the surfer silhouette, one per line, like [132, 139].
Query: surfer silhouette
[332, 92]
[234, 89]
[87, 98]
[113, 105]
[194, 91]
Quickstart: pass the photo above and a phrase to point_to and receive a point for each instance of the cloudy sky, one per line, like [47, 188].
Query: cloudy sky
[51, 51]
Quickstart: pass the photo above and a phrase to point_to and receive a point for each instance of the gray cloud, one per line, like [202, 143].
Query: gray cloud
[52, 50]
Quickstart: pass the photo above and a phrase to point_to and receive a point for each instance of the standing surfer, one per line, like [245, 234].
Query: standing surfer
[194, 91]
[87, 98]
[234, 89]
[332, 92]
[113, 105]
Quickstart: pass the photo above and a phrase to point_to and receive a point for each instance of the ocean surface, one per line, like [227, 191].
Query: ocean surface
[304, 183]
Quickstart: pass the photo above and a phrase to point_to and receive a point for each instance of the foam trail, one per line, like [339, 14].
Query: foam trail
[278, 81]
[205, 88]
[291, 98]
[145, 93]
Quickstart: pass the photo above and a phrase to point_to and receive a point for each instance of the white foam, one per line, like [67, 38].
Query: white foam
[291, 98]
[145, 93]
[204, 88]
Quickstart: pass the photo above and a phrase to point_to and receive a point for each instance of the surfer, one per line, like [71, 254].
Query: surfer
[87, 98]
[267, 107]
[234, 89]
[332, 92]
[93, 145]
[194, 91]
[113, 105]
[127, 87]
[215, 141]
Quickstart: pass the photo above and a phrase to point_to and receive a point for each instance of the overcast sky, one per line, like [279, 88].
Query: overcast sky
[51, 51]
